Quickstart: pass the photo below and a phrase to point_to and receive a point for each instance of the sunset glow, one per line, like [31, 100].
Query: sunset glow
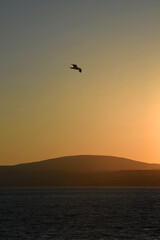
[111, 108]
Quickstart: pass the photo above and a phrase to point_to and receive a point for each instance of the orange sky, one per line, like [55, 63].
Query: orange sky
[111, 108]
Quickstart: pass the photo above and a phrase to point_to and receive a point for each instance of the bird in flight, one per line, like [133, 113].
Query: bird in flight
[75, 67]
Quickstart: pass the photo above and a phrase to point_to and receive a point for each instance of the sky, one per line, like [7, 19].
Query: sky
[112, 108]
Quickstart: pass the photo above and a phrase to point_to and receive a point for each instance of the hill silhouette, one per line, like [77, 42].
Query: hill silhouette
[82, 170]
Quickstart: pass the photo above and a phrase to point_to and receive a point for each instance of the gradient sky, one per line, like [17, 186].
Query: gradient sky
[111, 108]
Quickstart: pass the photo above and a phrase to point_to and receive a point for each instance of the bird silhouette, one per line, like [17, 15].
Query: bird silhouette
[75, 67]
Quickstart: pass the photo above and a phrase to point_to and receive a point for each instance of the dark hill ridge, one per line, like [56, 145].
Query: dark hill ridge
[80, 170]
[85, 164]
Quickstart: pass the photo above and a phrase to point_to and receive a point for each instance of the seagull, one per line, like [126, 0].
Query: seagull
[74, 66]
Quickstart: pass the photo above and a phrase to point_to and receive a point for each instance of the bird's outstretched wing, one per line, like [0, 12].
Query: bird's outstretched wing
[74, 65]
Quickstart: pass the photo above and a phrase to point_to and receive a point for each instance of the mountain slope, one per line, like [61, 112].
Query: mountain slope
[85, 164]
[81, 171]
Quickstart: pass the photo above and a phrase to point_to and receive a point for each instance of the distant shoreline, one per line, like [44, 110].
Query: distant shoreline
[85, 170]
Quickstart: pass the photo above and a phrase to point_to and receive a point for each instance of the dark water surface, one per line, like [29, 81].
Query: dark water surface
[79, 213]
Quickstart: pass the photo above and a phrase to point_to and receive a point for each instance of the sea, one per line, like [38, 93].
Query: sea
[79, 213]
